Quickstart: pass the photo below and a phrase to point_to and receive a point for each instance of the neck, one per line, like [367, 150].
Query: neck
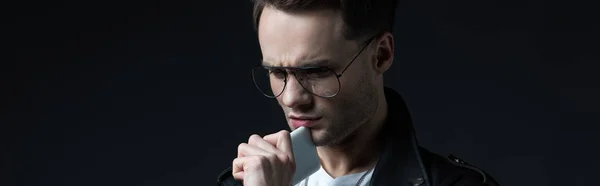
[359, 152]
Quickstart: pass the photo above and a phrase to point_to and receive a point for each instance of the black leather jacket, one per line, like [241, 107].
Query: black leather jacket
[403, 161]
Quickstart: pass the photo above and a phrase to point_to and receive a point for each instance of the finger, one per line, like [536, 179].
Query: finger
[239, 176]
[256, 140]
[281, 140]
[272, 138]
[250, 165]
[245, 149]
[237, 169]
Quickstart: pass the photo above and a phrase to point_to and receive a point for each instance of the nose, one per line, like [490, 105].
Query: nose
[294, 95]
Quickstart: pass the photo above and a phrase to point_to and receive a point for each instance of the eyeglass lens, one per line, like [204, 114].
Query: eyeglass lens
[316, 80]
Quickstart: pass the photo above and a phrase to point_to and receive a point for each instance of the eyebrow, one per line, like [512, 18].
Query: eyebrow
[308, 63]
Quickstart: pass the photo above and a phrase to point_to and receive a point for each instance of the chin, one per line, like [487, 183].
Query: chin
[323, 138]
[318, 136]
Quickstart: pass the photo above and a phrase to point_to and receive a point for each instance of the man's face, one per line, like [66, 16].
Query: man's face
[300, 39]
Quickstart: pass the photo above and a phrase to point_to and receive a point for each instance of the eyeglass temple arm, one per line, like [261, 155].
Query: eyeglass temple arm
[355, 56]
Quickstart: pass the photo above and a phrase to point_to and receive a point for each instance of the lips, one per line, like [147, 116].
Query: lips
[303, 121]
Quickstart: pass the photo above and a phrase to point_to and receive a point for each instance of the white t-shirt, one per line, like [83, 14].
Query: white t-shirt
[321, 178]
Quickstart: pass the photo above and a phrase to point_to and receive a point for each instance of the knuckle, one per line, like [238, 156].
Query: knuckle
[233, 163]
[253, 138]
[284, 158]
[272, 157]
[241, 145]
[284, 132]
[261, 159]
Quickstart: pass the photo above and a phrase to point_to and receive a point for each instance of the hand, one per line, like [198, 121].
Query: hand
[265, 161]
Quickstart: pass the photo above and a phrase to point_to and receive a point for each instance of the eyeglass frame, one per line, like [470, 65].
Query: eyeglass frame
[293, 69]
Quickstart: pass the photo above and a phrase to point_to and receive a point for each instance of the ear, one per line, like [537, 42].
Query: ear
[384, 50]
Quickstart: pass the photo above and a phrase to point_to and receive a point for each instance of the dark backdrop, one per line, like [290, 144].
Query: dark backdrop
[159, 92]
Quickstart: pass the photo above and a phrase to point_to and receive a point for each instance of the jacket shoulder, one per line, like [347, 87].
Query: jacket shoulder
[225, 178]
[452, 171]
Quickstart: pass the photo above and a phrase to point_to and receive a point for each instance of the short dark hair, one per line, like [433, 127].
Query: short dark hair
[362, 18]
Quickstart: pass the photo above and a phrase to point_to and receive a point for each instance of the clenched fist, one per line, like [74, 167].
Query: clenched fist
[267, 161]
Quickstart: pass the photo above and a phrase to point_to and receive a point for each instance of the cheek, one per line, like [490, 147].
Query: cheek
[329, 107]
[352, 82]
[349, 89]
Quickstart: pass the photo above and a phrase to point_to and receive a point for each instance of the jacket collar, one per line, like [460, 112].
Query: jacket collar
[400, 162]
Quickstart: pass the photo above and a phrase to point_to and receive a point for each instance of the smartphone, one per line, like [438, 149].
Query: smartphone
[305, 154]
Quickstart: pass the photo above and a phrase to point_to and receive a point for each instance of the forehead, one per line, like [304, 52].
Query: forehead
[290, 39]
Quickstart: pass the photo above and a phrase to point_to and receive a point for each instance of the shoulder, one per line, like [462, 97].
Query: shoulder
[225, 178]
[453, 171]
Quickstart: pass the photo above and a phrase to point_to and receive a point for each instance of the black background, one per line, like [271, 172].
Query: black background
[160, 93]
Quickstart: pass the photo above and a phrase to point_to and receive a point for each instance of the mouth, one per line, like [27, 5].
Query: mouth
[303, 121]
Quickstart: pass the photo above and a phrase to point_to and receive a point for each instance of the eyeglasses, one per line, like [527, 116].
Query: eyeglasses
[320, 81]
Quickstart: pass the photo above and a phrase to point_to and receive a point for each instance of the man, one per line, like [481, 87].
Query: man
[323, 61]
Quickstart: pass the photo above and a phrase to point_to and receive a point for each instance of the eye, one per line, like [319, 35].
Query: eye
[317, 72]
[277, 73]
